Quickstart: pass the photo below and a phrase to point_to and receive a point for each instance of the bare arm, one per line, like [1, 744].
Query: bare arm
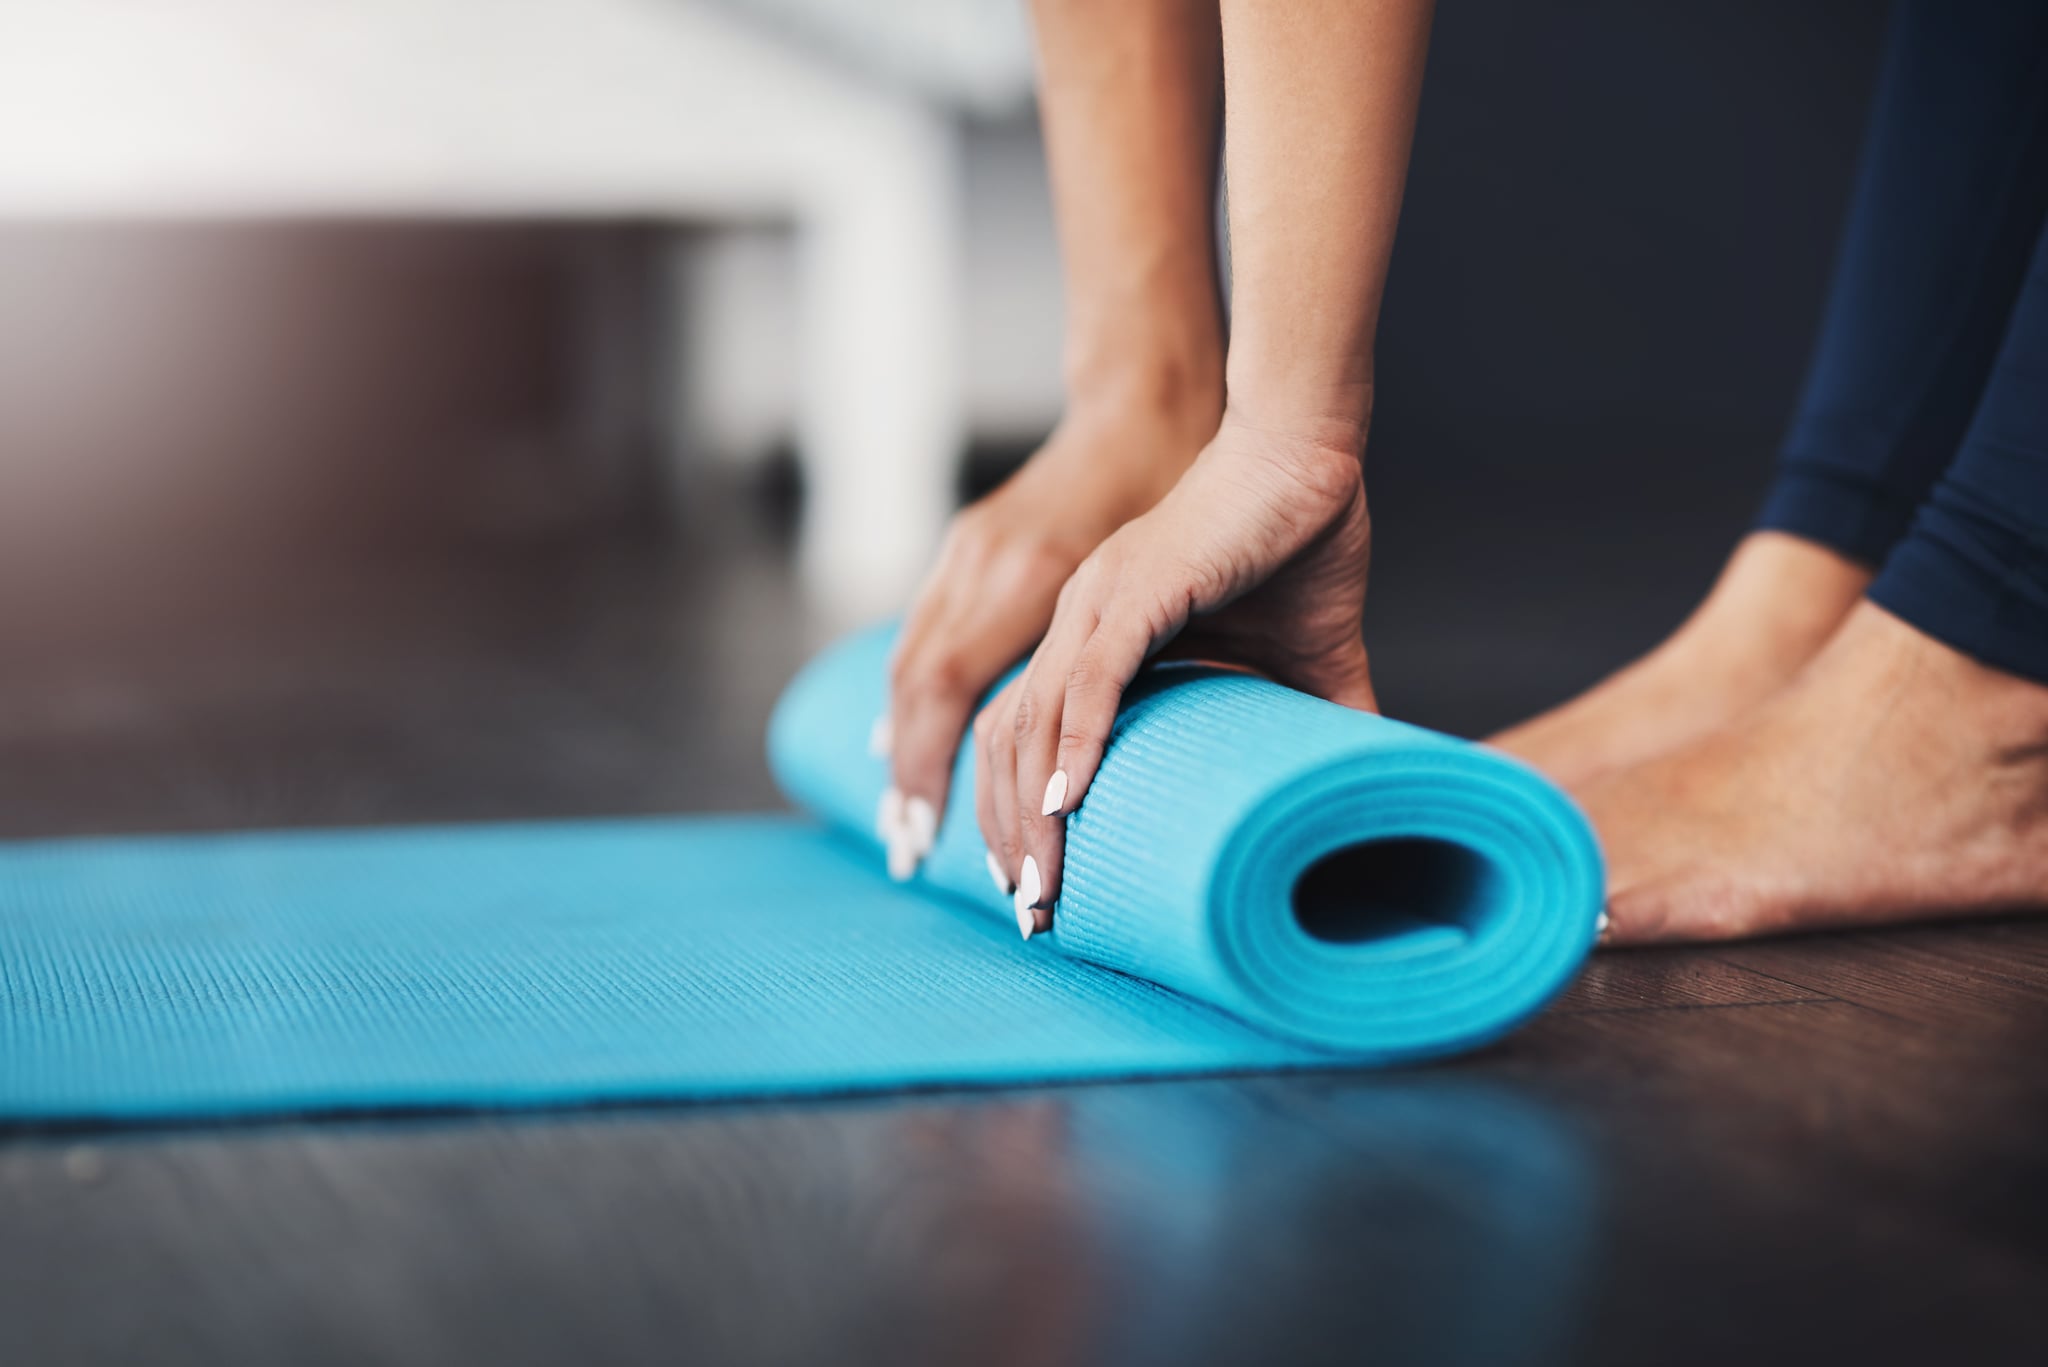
[1130, 97]
[1322, 110]
[1258, 556]
[1130, 94]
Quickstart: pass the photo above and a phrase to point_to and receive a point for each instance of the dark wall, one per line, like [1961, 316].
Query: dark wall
[1616, 239]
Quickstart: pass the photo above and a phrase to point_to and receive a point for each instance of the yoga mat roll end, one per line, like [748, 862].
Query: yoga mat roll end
[1402, 906]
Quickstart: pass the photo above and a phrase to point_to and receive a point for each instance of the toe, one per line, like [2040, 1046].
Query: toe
[1694, 906]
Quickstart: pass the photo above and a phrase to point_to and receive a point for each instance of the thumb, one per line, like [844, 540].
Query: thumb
[1343, 677]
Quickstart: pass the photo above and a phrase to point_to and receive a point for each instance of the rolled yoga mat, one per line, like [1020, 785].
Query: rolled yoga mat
[1256, 880]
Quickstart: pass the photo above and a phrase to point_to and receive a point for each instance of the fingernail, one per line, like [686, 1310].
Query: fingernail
[1055, 793]
[998, 877]
[1026, 900]
[920, 825]
[881, 737]
[889, 816]
[891, 822]
[1600, 928]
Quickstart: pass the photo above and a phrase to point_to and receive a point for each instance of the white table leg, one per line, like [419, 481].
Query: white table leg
[881, 423]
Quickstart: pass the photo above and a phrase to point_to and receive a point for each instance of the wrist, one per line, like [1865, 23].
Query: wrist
[1176, 391]
[1318, 405]
[1153, 344]
[1313, 420]
[1128, 434]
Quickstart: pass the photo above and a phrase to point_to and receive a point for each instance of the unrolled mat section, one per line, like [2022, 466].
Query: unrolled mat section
[1256, 880]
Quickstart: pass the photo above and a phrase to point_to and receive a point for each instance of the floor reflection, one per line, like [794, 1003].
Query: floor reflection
[1237, 1224]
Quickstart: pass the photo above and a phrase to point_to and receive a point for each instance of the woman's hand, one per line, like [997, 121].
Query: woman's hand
[1256, 559]
[1129, 100]
[999, 571]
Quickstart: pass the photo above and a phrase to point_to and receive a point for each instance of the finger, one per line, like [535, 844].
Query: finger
[1002, 800]
[912, 642]
[925, 609]
[933, 605]
[1344, 677]
[928, 726]
[1000, 861]
[1095, 687]
[1041, 822]
[933, 692]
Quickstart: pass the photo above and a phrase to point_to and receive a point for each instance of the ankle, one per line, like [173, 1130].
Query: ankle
[1908, 678]
[1776, 604]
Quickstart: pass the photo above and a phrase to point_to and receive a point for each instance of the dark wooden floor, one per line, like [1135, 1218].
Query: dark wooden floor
[1821, 1150]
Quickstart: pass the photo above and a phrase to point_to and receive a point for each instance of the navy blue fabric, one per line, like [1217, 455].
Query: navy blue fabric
[1948, 203]
[1921, 439]
[1974, 570]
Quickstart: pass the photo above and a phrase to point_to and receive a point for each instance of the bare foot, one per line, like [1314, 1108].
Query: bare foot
[1773, 608]
[1895, 779]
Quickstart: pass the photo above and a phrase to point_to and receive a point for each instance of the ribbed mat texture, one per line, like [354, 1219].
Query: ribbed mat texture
[1256, 880]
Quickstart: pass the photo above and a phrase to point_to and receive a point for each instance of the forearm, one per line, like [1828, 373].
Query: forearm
[1322, 97]
[1129, 95]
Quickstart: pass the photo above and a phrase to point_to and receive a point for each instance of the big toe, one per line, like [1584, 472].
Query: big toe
[1689, 904]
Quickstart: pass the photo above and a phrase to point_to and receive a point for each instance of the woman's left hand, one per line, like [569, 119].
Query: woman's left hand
[1256, 559]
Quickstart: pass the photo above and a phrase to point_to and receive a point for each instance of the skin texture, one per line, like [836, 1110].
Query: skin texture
[1258, 556]
[1893, 779]
[1777, 603]
[1791, 758]
[1130, 99]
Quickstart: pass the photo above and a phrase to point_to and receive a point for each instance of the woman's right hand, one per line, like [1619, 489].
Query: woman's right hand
[1256, 561]
[991, 594]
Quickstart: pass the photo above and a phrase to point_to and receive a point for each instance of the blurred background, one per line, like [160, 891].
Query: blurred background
[431, 409]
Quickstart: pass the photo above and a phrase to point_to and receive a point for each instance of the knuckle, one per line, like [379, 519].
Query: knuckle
[1098, 588]
[990, 729]
[1037, 557]
[1108, 560]
[1076, 739]
[1027, 717]
[935, 677]
[948, 675]
[1087, 677]
[969, 531]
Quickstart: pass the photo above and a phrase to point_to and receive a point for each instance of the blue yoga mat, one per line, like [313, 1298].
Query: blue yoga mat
[1256, 880]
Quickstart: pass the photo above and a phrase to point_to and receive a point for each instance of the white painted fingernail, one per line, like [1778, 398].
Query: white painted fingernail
[1600, 928]
[998, 877]
[890, 821]
[920, 825]
[889, 816]
[1055, 793]
[881, 737]
[1026, 900]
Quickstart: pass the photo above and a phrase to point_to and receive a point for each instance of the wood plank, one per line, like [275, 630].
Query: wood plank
[1946, 1122]
[1661, 980]
[1980, 977]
